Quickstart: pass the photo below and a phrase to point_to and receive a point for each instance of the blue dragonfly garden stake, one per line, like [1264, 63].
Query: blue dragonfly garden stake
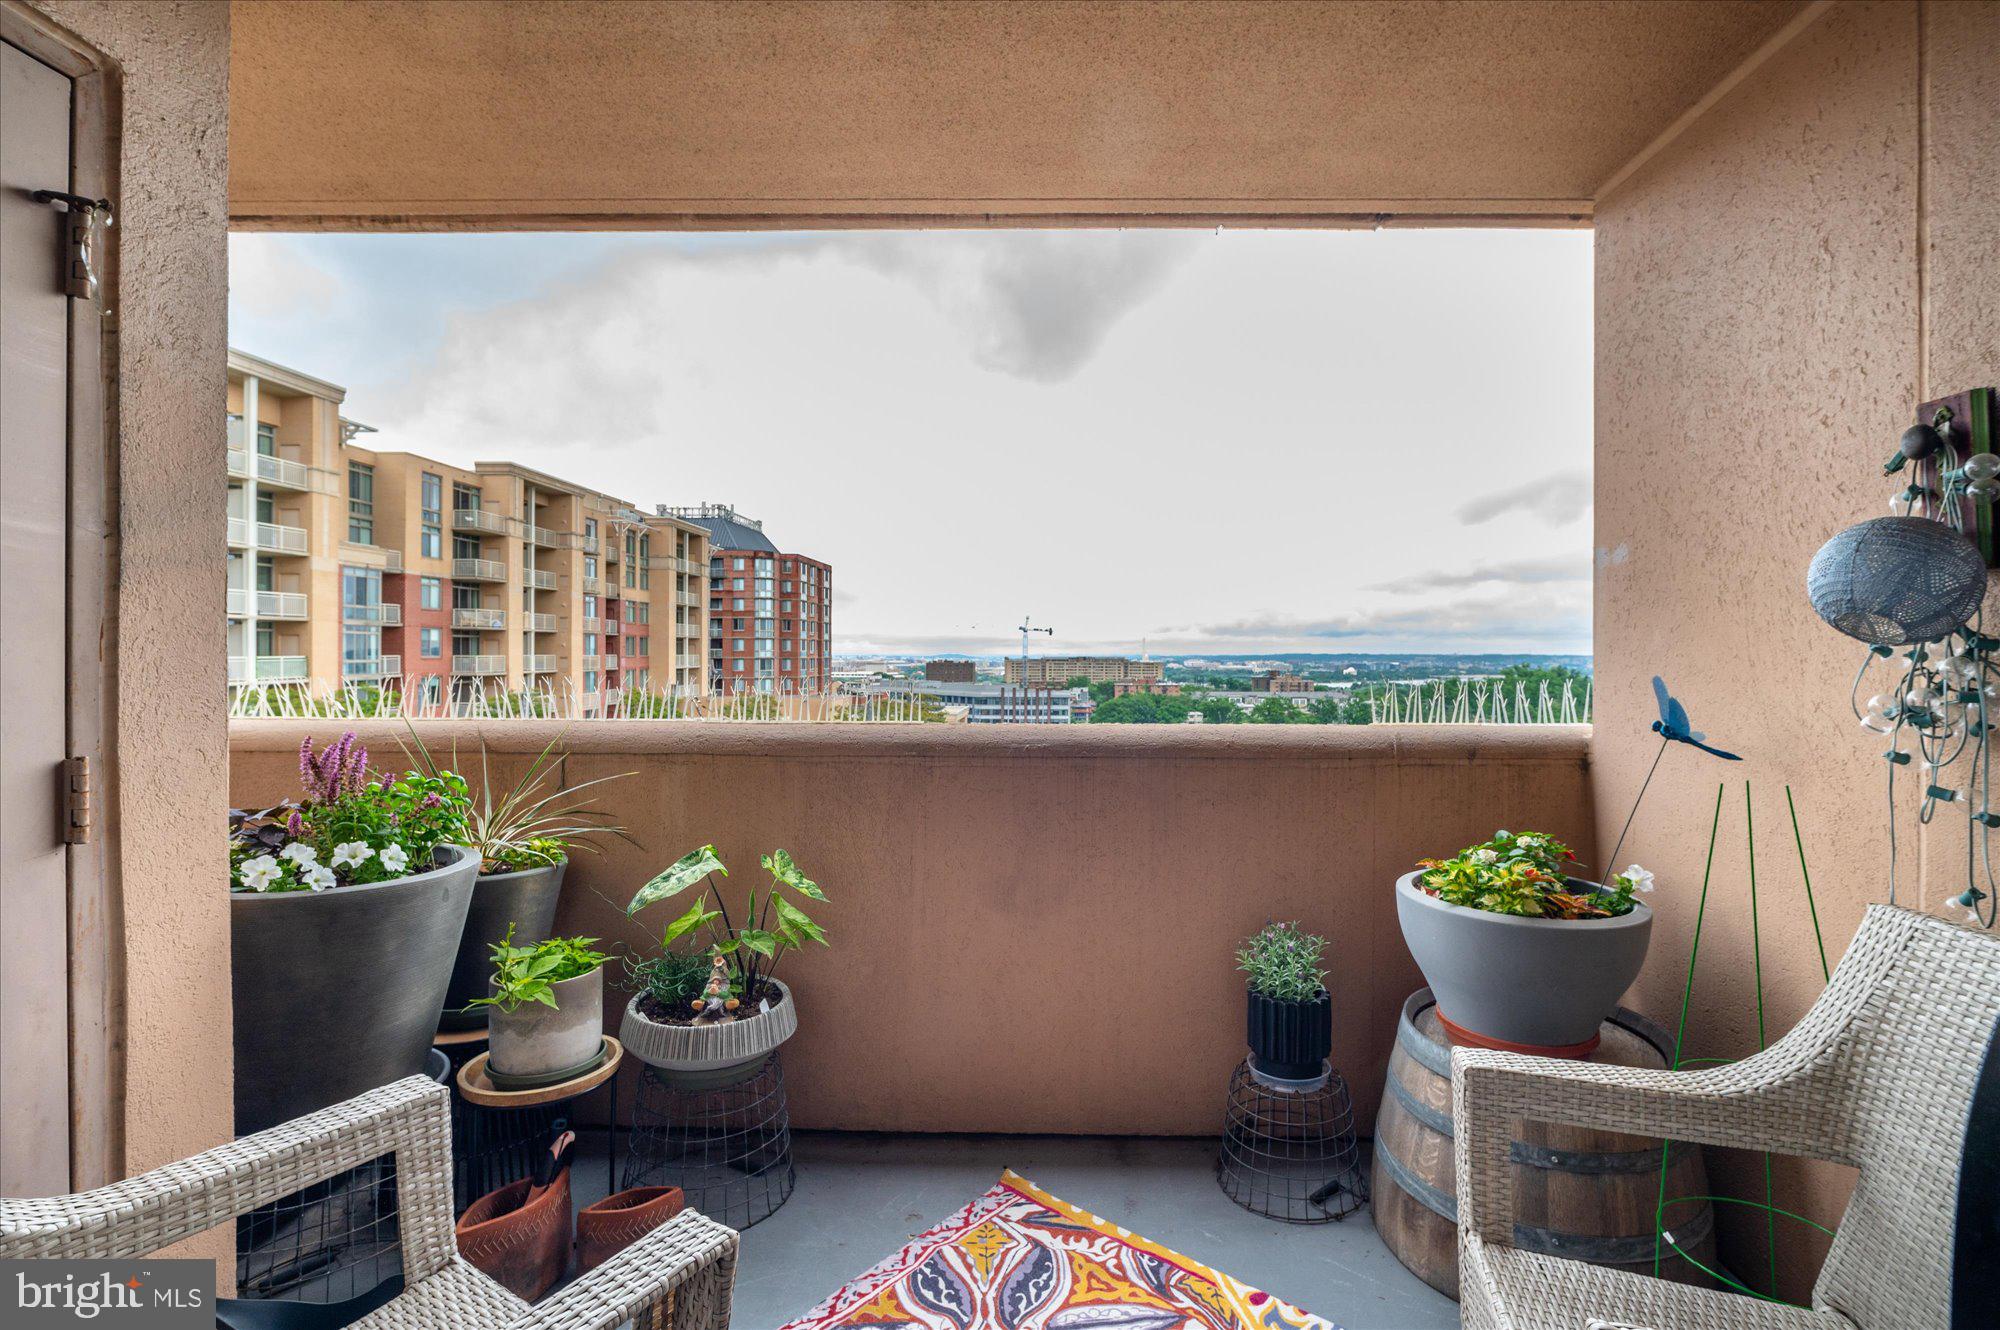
[1672, 727]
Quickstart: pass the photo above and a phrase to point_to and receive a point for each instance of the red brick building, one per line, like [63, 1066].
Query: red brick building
[770, 614]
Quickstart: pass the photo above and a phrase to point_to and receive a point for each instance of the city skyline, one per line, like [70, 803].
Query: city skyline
[1049, 416]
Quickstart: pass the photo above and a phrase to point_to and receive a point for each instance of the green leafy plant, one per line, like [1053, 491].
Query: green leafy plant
[770, 928]
[527, 824]
[351, 826]
[1526, 873]
[529, 974]
[1282, 961]
[673, 979]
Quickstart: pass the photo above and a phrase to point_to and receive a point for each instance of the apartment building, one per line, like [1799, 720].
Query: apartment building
[355, 565]
[1279, 681]
[992, 703]
[1055, 671]
[770, 614]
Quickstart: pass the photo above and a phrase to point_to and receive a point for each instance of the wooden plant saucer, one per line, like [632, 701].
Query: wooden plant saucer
[478, 1089]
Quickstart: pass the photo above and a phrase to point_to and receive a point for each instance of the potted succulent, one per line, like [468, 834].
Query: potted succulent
[1518, 953]
[345, 909]
[546, 1021]
[711, 1016]
[1290, 1021]
[523, 835]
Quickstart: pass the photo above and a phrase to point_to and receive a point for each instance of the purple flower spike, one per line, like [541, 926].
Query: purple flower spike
[295, 825]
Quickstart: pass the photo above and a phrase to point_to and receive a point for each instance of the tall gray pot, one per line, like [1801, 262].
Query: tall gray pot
[1548, 983]
[526, 899]
[337, 992]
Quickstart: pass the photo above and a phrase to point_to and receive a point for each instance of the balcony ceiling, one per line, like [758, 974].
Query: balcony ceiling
[434, 115]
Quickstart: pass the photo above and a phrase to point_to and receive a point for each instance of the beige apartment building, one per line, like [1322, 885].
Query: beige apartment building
[1055, 671]
[351, 565]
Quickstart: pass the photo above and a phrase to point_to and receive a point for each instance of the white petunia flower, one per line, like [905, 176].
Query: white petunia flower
[1529, 842]
[258, 874]
[300, 853]
[319, 877]
[351, 852]
[1640, 879]
[1485, 856]
[394, 858]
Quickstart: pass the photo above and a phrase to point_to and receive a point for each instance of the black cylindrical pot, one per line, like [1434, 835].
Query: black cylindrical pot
[1290, 1040]
[526, 899]
[337, 992]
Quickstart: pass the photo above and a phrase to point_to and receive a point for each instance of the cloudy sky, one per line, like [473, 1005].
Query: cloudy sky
[1225, 442]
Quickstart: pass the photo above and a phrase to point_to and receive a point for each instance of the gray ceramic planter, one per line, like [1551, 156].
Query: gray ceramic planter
[694, 1056]
[1545, 982]
[338, 992]
[534, 1040]
[526, 899]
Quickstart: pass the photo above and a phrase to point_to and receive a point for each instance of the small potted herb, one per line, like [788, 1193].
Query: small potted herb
[524, 835]
[345, 910]
[710, 1016]
[1291, 1014]
[545, 1018]
[1518, 953]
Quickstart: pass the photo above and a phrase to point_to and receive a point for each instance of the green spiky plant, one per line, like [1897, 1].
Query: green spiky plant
[770, 928]
[526, 825]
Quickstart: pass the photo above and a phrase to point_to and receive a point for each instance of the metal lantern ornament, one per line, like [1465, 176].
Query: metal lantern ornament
[1910, 585]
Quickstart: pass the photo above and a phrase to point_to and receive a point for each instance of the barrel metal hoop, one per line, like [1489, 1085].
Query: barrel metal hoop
[1597, 1249]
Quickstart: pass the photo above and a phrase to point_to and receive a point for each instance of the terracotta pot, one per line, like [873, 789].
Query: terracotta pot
[519, 1237]
[616, 1222]
[706, 1054]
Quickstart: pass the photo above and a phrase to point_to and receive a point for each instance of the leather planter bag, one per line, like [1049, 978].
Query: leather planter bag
[616, 1222]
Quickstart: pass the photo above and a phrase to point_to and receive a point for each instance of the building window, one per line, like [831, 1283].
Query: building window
[267, 439]
[464, 596]
[645, 565]
[430, 593]
[430, 642]
[464, 496]
[736, 565]
[361, 593]
[433, 516]
[360, 503]
[465, 644]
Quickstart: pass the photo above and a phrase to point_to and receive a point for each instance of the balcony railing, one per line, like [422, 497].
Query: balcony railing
[478, 619]
[478, 570]
[596, 586]
[549, 539]
[540, 623]
[271, 536]
[609, 662]
[479, 665]
[611, 628]
[541, 579]
[592, 662]
[244, 602]
[688, 599]
[590, 544]
[387, 612]
[478, 519]
[540, 664]
[267, 669]
[382, 667]
[593, 624]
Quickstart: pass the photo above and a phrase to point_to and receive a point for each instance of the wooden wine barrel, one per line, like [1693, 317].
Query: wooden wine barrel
[1581, 1193]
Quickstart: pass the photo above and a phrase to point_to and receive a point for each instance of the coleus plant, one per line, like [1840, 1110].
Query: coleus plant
[1525, 873]
[770, 927]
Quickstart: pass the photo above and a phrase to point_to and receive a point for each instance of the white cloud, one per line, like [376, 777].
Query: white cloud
[1558, 498]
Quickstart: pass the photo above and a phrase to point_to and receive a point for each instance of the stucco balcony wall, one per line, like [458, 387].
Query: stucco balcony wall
[1033, 927]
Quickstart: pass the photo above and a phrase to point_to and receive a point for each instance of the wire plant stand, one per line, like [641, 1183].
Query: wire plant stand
[1288, 1154]
[728, 1148]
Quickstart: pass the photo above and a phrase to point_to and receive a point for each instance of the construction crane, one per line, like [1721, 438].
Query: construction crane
[1027, 627]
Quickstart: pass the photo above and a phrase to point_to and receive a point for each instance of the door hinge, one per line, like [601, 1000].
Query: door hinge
[77, 811]
[80, 219]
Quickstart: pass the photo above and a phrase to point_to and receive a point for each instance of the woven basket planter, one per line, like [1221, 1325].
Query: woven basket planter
[709, 1054]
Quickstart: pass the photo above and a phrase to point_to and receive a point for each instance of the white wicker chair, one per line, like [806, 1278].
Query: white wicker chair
[678, 1277]
[1879, 1076]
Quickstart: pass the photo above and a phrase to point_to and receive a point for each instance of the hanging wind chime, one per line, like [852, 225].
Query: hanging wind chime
[1910, 586]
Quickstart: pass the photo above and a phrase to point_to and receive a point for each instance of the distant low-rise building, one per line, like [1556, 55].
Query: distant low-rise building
[1055, 671]
[1278, 681]
[993, 703]
[1124, 687]
[950, 671]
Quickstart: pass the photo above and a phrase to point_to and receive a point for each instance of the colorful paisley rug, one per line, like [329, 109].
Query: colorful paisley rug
[1019, 1259]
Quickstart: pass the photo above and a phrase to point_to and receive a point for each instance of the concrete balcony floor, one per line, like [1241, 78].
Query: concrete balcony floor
[861, 1195]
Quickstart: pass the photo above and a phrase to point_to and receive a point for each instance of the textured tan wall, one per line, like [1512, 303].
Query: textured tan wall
[171, 282]
[728, 114]
[1034, 928]
[1760, 321]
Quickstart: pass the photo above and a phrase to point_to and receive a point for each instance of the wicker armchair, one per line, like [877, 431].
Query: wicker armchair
[1879, 1075]
[678, 1277]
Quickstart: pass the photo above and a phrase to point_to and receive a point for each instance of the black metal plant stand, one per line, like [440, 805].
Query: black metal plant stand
[728, 1148]
[1291, 1153]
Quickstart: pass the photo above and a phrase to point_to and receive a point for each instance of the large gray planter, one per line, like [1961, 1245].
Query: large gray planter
[526, 899]
[1544, 982]
[535, 1040]
[338, 992]
[693, 1056]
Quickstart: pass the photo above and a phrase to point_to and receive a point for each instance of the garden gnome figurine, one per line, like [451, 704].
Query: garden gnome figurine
[715, 999]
